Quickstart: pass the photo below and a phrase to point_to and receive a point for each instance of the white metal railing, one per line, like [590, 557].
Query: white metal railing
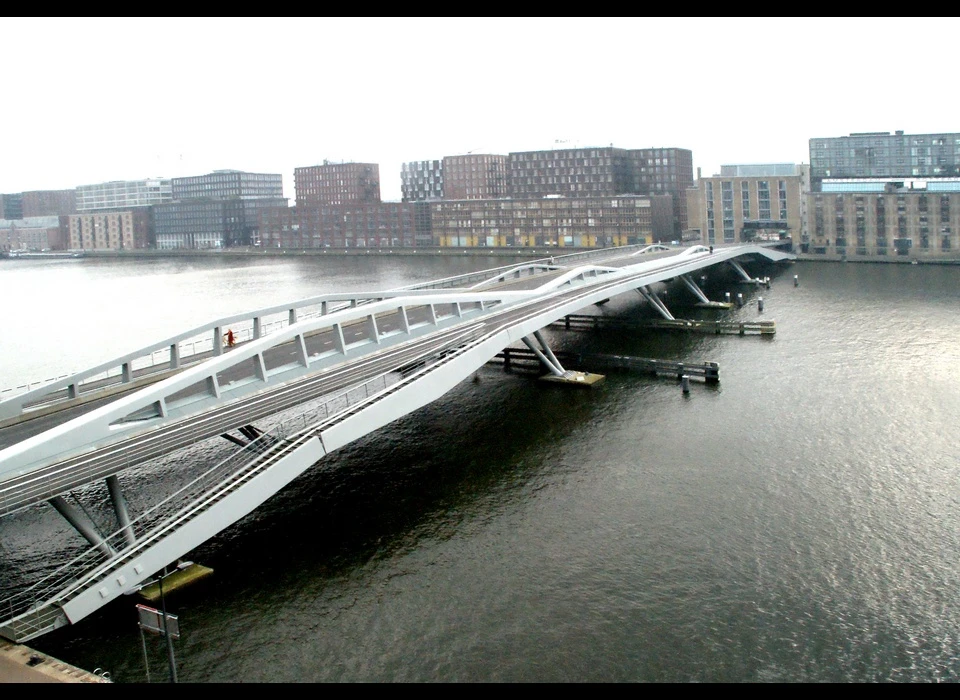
[64, 581]
[192, 347]
[38, 608]
[202, 342]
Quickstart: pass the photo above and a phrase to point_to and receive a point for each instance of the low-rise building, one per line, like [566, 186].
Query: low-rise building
[279, 227]
[583, 222]
[356, 225]
[110, 230]
[750, 202]
[33, 234]
[885, 218]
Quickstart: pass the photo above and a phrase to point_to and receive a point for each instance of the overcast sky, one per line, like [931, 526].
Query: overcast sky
[99, 99]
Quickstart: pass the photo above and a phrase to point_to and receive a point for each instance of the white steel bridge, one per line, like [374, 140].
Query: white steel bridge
[343, 365]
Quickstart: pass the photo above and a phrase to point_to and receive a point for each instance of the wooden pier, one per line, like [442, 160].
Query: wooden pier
[524, 358]
[580, 322]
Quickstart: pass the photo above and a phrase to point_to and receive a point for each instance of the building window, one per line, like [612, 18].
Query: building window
[763, 195]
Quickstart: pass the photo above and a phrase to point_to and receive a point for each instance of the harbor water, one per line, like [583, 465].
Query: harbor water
[797, 522]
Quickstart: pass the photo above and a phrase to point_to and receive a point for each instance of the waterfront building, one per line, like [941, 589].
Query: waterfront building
[125, 194]
[33, 234]
[551, 221]
[421, 180]
[885, 218]
[750, 202]
[228, 184]
[356, 225]
[199, 224]
[423, 225]
[475, 176]
[235, 196]
[607, 171]
[571, 172]
[337, 183]
[11, 206]
[882, 154]
[665, 171]
[279, 227]
[110, 230]
[49, 203]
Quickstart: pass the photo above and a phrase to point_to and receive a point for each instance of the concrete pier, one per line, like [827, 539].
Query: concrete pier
[579, 379]
[176, 581]
[21, 664]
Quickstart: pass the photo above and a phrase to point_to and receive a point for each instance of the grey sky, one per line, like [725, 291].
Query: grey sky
[96, 99]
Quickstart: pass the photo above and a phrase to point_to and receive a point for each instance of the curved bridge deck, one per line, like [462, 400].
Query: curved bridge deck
[345, 364]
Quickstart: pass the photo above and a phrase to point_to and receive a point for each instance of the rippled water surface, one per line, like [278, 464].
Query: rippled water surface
[798, 522]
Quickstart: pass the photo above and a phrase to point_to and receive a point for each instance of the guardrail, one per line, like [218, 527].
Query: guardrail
[58, 585]
[200, 341]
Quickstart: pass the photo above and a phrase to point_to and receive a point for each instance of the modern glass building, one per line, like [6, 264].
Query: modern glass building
[123, 194]
[882, 154]
[228, 184]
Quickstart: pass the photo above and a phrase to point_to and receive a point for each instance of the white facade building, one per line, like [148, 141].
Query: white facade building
[123, 194]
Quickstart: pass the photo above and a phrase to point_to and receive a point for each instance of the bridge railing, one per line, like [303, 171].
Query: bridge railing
[189, 345]
[61, 583]
[480, 276]
[37, 608]
[199, 342]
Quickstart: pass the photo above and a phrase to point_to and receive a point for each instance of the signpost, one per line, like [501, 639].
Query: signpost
[162, 623]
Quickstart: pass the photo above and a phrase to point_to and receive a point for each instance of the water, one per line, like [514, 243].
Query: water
[796, 523]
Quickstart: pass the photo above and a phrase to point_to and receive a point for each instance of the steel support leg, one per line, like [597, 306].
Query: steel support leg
[82, 524]
[547, 351]
[655, 302]
[120, 507]
[692, 286]
[234, 439]
[743, 273]
[554, 367]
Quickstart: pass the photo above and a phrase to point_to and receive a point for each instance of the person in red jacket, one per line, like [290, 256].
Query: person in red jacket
[229, 337]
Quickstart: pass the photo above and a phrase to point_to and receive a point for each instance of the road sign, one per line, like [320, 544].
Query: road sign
[151, 620]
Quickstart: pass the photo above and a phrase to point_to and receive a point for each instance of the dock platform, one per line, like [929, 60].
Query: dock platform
[21, 664]
[581, 322]
[523, 358]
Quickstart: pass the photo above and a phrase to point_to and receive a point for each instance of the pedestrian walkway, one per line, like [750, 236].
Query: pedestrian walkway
[21, 664]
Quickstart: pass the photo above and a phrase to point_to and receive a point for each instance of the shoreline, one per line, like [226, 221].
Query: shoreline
[432, 251]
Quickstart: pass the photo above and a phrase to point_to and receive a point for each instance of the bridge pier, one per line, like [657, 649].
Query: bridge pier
[557, 372]
[705, 302]
[655, 302]
[744, 276]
